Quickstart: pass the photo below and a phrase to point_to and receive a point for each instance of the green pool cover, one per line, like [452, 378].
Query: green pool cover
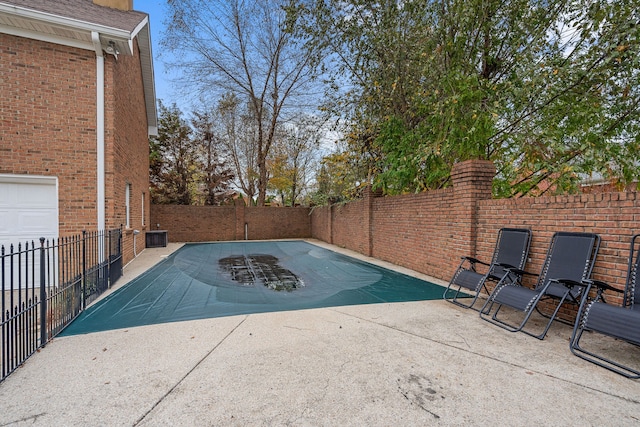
[223, 279]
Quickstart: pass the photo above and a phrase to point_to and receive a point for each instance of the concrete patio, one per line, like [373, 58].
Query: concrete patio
[418, 363]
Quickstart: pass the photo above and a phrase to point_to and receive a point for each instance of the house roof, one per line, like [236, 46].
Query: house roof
[83, 24]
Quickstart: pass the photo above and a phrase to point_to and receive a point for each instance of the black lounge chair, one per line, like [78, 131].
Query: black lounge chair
[569, 261]
[621, 322]
[512, 248]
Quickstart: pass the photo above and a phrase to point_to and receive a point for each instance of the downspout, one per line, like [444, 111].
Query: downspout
[100, 167]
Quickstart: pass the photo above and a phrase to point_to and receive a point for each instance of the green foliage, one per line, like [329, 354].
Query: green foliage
[548, 91]
[173, 160]
[339, 177]
[185, 167]
[214, 175]
[293, 158]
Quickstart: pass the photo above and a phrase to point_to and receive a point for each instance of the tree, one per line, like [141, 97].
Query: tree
[238, 133]
[340, 176]
[548, 91]
[293, 159]
[215, 175]
[173, 159]
[241, 47]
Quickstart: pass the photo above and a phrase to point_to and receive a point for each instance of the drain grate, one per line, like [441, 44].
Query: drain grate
[250, 270]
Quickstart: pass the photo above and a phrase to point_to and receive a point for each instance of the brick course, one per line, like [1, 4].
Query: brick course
[127, 148]
[217, 223]
[48, 122]
[48, 127]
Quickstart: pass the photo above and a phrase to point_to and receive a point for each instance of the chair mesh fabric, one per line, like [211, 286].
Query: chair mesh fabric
[631, 297]
[613, 320]
[618, 321]
[517, 297]
[512, 250]
[569, 258]
[469, 279]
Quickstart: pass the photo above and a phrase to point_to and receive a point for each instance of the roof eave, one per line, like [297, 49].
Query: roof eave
[148, 78]
[122, 38]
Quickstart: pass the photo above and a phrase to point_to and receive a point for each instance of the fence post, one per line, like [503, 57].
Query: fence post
[84, 269]
[108, 254]
[43, 296]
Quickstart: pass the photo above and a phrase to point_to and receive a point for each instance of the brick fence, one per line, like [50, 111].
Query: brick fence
[215, 223]
[427, 232]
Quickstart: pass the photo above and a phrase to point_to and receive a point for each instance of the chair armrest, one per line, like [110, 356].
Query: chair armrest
[473, 260]
[602, 285]
[569, 283]
[518, 271]
[506, 266]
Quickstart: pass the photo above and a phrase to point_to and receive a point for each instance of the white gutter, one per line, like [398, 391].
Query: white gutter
[62, 21]
[45, 37]
[100, 167]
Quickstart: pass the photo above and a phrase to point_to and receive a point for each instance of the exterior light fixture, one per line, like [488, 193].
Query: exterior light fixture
[112, 49]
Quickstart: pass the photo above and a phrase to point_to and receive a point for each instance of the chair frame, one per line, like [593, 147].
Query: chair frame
[629, 301]
[541, 291]
[495, 273]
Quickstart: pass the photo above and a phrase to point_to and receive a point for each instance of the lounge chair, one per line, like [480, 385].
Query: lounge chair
[621, 322]
[569, 261]
[512, 248]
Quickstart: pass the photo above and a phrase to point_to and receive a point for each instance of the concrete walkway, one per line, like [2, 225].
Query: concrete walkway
[403, 364]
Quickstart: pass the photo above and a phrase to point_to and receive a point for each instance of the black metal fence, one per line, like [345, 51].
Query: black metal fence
[46, 285]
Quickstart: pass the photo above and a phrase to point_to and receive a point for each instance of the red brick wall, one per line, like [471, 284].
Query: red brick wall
[349, 226]
[321, 223]
[414, 230]
[194, 223]
[418, 231]
[276, 223]
[48, 127]
[614, 216]
[428, 232]
[48, 122]
[215, 223]
[127, 148]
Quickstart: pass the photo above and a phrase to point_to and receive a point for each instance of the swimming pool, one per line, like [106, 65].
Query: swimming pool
[207, 280]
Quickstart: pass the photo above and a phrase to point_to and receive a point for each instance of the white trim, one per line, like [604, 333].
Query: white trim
[28, 179]
[63, 21]
[127, 203]
[140, 26]
[18, 32]
[144, 201]
[100, 167]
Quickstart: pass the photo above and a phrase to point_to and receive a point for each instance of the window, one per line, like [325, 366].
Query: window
[143, 209]
[127, 198]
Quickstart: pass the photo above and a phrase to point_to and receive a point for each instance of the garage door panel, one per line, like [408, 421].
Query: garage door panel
[36, 196]
[8, 194]
[28, 208]
[33, 222]
[8, 220]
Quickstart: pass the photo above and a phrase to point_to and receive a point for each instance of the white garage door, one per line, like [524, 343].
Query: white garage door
[28, 208]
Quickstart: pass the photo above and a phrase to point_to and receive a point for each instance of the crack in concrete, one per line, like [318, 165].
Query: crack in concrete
[25, 419]
[172, 389]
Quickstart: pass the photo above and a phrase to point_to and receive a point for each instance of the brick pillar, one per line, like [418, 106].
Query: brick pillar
[472, 181]
[240, 221]
[367, 226]
[330, 224]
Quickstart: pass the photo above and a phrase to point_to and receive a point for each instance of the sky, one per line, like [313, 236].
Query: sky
[164, 88]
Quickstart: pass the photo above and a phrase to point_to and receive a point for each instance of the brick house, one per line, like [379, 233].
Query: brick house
[77, 104]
